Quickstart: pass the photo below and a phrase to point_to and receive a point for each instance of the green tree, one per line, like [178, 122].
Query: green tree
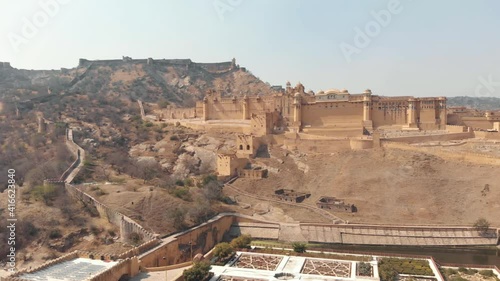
[178, 216]
[162, 103]
[299, 247]
[223, 250]
[387, 272]
[242, 241]
[198, 272]
[47, 193]
[482, 225]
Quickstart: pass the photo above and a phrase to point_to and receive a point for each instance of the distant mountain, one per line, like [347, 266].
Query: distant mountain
[482, 103]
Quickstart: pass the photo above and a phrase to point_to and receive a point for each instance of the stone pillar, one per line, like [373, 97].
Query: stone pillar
[367, 100]
[412, 113]
[245, 108]
[205, 108]
[297, 116]
[41, 125]
[442, 113]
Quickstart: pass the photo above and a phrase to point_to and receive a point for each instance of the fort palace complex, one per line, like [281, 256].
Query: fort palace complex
[324, 122]
[330, 113]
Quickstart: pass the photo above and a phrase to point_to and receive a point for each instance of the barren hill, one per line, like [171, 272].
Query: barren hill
[388, 186]
[177, 81]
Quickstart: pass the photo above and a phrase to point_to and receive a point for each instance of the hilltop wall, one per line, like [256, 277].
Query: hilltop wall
[216, 68]
[178, 113]
[126, 224]
[79, 154]
[5, 65]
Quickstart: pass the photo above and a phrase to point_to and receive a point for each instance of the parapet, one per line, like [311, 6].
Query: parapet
[54, 182]
[82, 62]
[5, 65]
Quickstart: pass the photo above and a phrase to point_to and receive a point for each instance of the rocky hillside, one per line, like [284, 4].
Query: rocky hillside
[180, 82]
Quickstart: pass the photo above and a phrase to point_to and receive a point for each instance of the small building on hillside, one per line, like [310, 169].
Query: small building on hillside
[332, 203]
[290, 195]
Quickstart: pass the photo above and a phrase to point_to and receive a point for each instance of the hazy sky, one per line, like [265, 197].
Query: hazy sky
[421, 48]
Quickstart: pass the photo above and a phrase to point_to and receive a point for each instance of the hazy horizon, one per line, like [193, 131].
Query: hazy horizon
[405, 47]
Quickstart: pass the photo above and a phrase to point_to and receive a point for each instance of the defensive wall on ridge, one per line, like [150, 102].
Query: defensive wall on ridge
[125, 224]
[215, 68]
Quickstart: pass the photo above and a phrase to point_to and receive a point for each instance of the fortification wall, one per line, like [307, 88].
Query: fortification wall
[125, 268]
[79, 154]
[215, 127]
[384, 115]
[232, 108]
[332, 114]
[225, 109]
[141, 109]
[359, 144]
[478, 122]
[126, 224]
[317, 145]
[427, 138]
[487, 135]
[475, 158]
[85, 62]
[217, 67]
[252, 173]
[173, 61]
[181, 247]
[456, 128]
[179, 113]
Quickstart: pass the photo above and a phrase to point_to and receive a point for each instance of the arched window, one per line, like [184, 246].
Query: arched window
[248, 147]
[241, 147]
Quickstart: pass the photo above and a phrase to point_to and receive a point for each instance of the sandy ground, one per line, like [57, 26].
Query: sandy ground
[387, 186]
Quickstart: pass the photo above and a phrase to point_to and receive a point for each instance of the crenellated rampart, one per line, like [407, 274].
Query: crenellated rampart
[127, 225]
[215, 68]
